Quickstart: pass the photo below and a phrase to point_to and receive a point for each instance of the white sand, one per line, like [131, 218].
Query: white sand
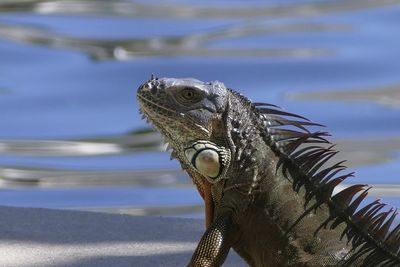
[44, 237]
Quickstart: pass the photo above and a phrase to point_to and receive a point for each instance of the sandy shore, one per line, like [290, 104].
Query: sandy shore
[44, 237]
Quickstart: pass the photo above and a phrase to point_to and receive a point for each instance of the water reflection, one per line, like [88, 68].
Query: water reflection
[185, 10]
[388, 95]
[46, 177]
[136, 141]
[176, 210]
[274, 35]
[369, 151]
[196, 44]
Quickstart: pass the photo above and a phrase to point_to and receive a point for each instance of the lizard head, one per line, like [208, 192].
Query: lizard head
[184, 111]
[182, 108]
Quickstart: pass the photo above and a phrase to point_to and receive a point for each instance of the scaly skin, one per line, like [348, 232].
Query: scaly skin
[266, 201]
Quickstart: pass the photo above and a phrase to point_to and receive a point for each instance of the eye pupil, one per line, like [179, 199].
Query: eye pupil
[188, 94]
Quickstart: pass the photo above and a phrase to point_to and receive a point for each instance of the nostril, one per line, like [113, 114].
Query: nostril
[143, 87]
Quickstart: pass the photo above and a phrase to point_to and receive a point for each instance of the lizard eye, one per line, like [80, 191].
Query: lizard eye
[190, 94]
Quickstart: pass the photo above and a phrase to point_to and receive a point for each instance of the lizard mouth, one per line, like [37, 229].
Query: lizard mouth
[159, 114]
[152, 108]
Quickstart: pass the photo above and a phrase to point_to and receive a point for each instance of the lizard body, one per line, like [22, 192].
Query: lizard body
[262, 175]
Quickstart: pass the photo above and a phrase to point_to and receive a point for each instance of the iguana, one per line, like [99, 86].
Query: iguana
[266, 182]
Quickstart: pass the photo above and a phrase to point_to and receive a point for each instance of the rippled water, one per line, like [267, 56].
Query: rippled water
[71, 136]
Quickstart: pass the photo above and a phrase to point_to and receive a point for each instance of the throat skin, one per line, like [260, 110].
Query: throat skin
[205, 190]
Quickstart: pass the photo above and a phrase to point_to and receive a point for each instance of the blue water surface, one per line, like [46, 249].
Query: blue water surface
[71, 75]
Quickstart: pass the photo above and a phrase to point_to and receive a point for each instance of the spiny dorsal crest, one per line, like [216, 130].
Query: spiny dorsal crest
[303, 156]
